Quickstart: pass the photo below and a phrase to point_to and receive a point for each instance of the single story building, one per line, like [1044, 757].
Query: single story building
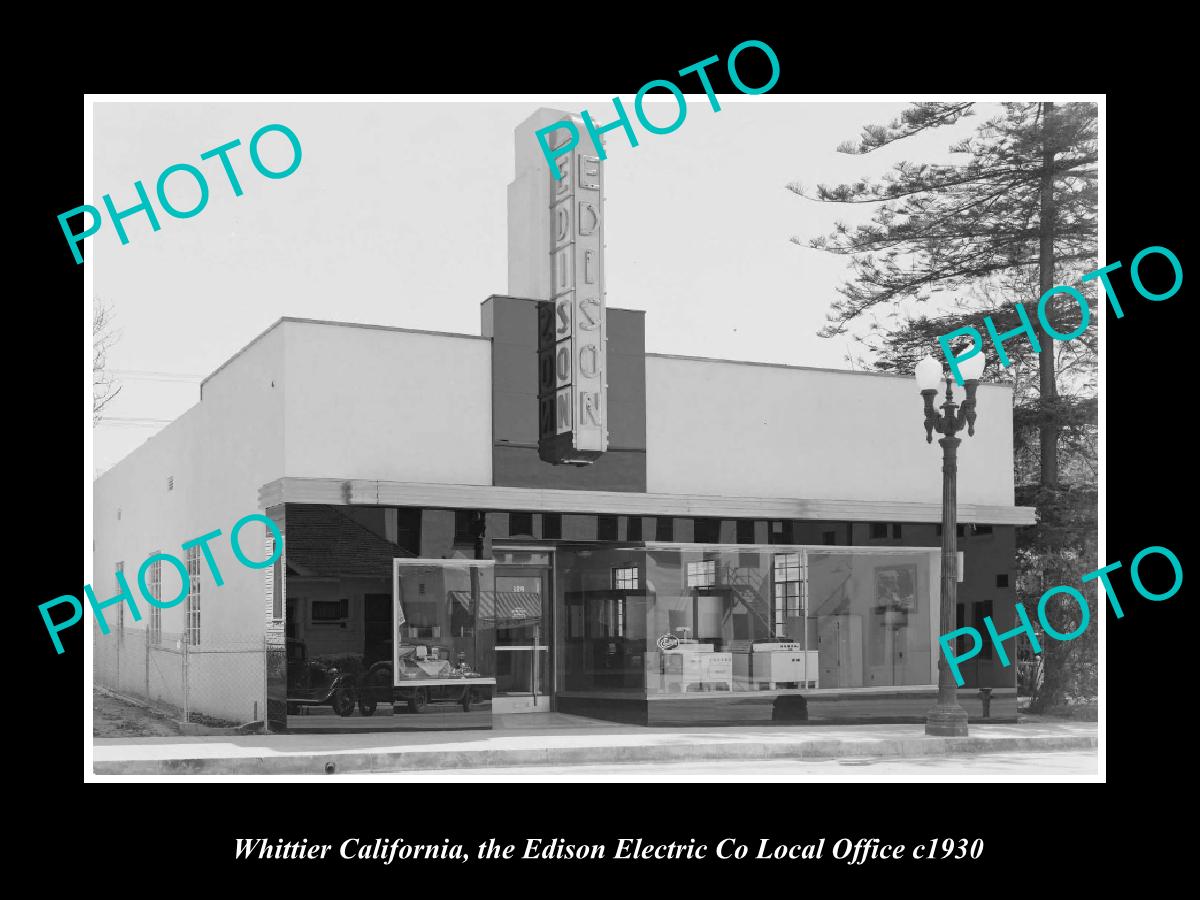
[734, 542]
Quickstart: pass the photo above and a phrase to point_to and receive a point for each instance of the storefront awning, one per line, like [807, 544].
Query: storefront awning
[506, 607]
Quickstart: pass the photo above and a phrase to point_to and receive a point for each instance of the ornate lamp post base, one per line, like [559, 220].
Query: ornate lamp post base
[946, 721]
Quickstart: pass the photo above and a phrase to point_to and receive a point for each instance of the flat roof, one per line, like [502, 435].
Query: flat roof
[476, 337]
[282, 319]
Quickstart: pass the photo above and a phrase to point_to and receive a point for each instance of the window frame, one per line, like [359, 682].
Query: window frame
[120, 568]
[621, 578]
[155, 587]
[191, 621]
[696, 571]
[342, 608]
[781, 611]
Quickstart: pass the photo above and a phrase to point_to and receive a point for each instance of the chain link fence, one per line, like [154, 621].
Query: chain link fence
[220, 681]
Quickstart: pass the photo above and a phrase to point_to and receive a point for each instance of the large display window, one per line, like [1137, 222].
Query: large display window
[445, 630]
[602, 633]
[874, 614]
[688, 619]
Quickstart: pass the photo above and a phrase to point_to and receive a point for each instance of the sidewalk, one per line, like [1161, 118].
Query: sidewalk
[561, 740]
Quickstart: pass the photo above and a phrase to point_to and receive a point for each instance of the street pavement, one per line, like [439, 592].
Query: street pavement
[576, 747]
[992, 767]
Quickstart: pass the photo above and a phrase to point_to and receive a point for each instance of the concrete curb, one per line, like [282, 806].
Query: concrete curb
[398, 761]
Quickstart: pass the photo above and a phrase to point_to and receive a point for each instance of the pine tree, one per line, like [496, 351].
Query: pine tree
[1022, 202]
[1063, 544]
[1017, 215]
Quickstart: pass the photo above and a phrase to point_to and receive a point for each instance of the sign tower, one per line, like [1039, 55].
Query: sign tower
[556, 257]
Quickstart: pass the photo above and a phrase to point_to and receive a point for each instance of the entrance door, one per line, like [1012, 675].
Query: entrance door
[523, 629]
[377, 628]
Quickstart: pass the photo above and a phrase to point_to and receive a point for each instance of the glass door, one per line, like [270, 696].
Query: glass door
[523, 668]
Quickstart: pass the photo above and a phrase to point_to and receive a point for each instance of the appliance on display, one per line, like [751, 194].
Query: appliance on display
[695, 667]
[840, 640]
[773, 664]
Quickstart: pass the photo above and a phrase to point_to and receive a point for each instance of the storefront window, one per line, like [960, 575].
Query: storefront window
[445, 619]
[686, 619]
[792, 619]
[872, 616]
[602, 632]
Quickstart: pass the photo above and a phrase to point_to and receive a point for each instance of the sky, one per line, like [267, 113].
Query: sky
[397, 215]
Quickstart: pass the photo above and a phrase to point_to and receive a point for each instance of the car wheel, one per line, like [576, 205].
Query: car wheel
[367, 707]
[418, 700]
[343, 702]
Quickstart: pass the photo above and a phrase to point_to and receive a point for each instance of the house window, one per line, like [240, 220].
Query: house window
[625, 578]
[155, 585]
[520, 525]
[606, 528]
[192, 614]
[702, 573]
[551, 526]
[327, 611]
[1002, 580]
[787, 589]
[879, 530]
[745, 531]
[664, 528]
[634, 530]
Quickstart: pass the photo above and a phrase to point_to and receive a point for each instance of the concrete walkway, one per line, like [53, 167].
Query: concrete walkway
[567, 740]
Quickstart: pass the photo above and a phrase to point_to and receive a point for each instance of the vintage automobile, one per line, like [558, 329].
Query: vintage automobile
[419, 668]
[375, 687]
[320, 681]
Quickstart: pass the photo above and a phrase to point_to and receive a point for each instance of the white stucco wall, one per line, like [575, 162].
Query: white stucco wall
[219, 452]
[327, 401]
[732, 429]
[386, 404]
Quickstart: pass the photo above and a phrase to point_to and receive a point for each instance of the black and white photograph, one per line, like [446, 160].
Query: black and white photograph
[509, 440]
[606, 463]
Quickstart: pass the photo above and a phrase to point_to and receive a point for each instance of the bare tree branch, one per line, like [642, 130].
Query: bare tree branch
[105, 387]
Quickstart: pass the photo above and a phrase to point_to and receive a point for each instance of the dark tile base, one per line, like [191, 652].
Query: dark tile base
[782, 709]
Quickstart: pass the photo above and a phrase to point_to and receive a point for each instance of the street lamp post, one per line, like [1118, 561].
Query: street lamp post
[947, 718]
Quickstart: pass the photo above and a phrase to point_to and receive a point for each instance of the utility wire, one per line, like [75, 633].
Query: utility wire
[147, 375]
[133, 420]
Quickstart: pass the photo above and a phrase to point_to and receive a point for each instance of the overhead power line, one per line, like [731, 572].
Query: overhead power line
[144, 422]
[147, 375]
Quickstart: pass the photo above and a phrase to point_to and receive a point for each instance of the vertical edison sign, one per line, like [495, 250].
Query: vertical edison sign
[572, 376]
